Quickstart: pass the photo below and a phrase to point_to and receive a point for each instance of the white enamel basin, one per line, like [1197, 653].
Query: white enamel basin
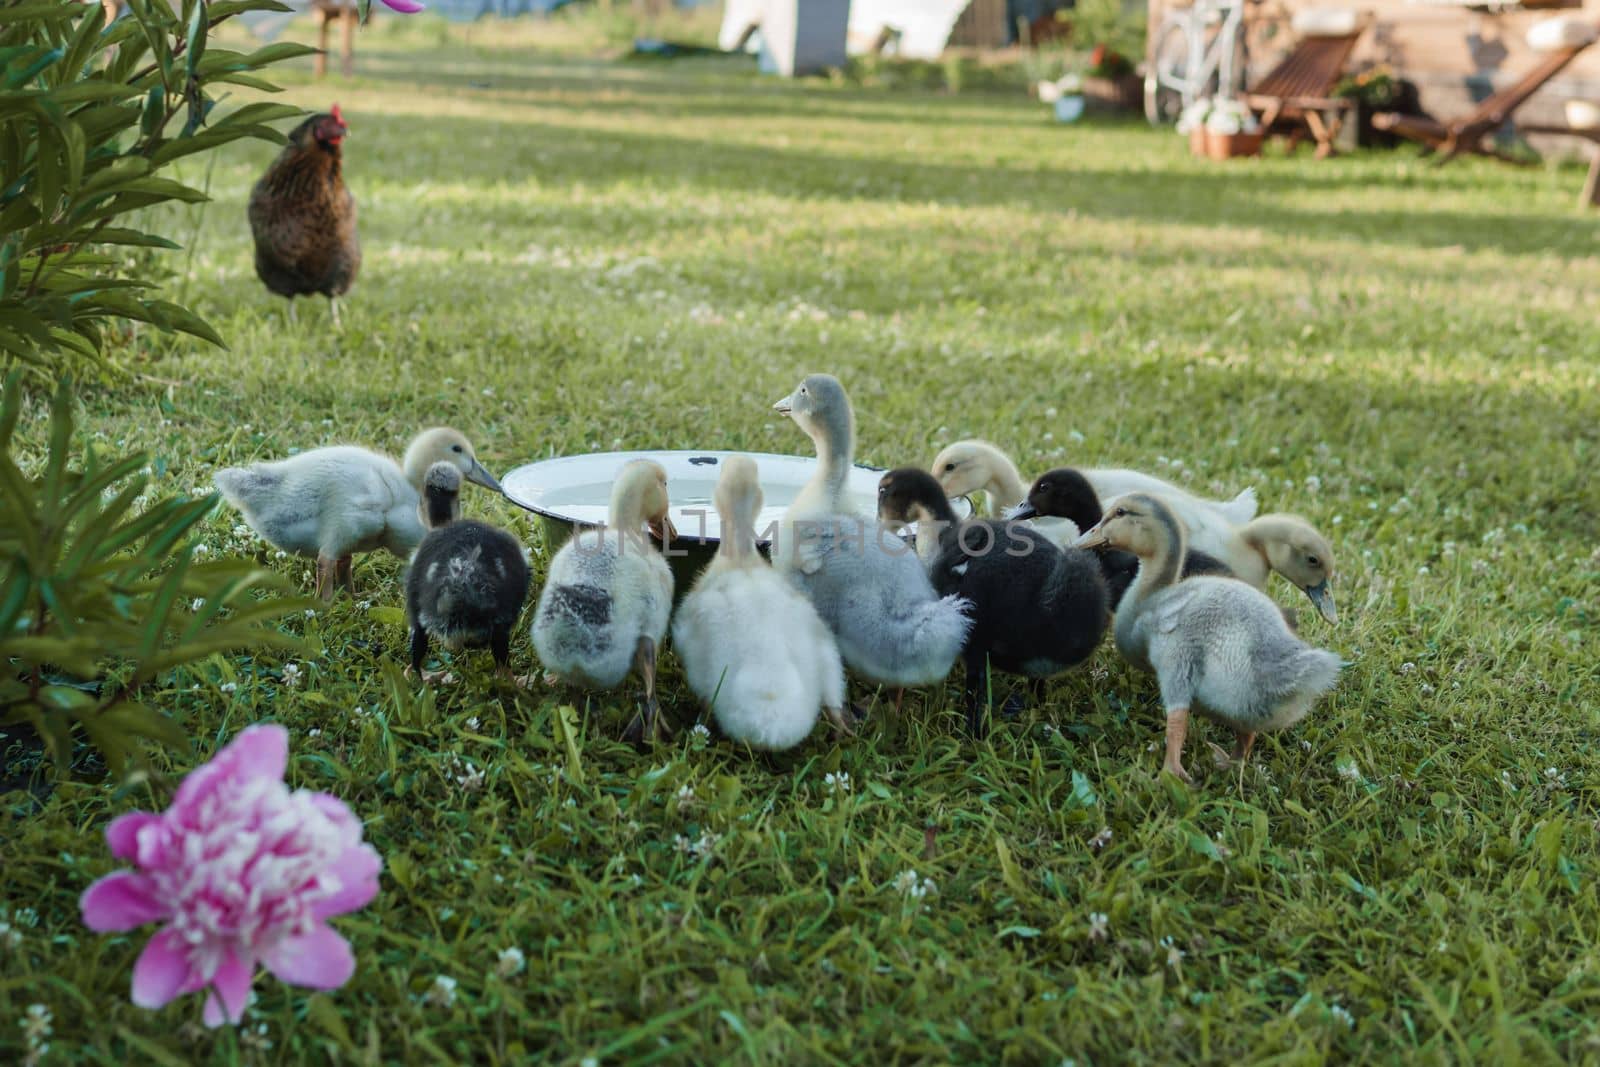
[576, 490]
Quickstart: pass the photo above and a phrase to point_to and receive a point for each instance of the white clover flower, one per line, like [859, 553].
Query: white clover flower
[1341, 1015]
[1350, 771]
[363, 604]
[1101, 839]
[197, 603]
[510, 962]
[913, 886]
[682, 845]
[315, 731]
[1099, 926]
[291, 675]
[280, 554]
[311, 613]
[472, 723]
[1076, 437]
[837, 782]
[1174, 953]
[1407, 667]
[201, 549]
[686, 798]
[228, 687]
[442, 994]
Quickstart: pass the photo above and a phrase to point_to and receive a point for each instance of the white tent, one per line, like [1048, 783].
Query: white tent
[915, 29]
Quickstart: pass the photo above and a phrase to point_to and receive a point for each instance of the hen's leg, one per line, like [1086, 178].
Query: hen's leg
[344, 573]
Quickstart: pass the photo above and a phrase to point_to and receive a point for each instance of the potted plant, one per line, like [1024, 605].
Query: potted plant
[1231, 130]
[1065, 94]
[1192, 124]
[1110, 80]
[1373, 90]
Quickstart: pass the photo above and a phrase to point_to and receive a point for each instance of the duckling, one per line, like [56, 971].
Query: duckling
[1065, 492]
[1283, 543]
[864, 582]
[467, 580]
[1037, 610]
[752, 646]
[334, 502]
[606, 600]
[1216, 645]
[968, 466]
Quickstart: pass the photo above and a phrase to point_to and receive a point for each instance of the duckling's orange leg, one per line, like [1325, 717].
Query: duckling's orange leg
[1177, 730]
[899, 697]
[325, 577]
[344, 573]
[1243, 740]
[647, 725]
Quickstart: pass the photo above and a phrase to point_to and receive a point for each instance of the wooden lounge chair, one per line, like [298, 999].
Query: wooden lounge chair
[1560, 39]
[1298, 92]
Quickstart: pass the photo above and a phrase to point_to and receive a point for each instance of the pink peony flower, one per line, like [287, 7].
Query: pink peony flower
[405, 7]
[241, 871]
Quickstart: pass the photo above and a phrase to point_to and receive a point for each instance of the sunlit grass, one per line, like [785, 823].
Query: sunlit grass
[574, 255]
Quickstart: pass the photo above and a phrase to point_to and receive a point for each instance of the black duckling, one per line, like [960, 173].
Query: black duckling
[1037, 609]
[1065, 493]
[467, 580]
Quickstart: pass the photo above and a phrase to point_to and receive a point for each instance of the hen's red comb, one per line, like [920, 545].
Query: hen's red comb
[337, 117]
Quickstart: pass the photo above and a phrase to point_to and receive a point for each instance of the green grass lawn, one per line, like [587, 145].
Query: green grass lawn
[565, 255]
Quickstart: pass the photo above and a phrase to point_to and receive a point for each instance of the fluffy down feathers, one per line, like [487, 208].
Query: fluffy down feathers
[466, 587]
[603, 593]
[755, 651]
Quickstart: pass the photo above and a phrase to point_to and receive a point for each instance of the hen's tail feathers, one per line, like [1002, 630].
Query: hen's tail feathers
[1242, 508]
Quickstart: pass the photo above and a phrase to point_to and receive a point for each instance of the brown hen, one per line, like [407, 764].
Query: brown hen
[304, 217]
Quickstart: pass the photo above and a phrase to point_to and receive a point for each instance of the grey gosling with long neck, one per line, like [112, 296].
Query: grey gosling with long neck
[467, 581]
[1217, 646]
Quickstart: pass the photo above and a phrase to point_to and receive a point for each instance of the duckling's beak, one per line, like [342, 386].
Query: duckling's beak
[1024, 510]
[476, 473]
[1093, 537]
[1323, 599]
[785, 406]
[662, 530]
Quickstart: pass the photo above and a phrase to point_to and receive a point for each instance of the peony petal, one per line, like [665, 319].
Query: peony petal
[230, 990]
[405, 7]
[162, 970]
[260, 751]
[121, 901]
[357, 873]
[123, 833]
[338, 813]
[320, 959]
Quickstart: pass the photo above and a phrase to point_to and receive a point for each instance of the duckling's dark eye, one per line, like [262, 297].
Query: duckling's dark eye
[948, 467]
[455, 448]
[1313, 561]
[1118, 513]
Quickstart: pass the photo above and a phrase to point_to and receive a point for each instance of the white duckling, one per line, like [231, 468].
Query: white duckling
[334, 502]
[466, 583]
[752, 646]
[865, 583]
[968, 466]
[1216, 645]
[605, 603]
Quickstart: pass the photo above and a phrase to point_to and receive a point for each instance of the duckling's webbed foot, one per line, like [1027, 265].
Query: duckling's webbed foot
[841, 720]
[1177, 730]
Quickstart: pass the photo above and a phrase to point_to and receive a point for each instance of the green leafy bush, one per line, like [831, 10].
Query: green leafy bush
[99, 598]
[89, 118]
